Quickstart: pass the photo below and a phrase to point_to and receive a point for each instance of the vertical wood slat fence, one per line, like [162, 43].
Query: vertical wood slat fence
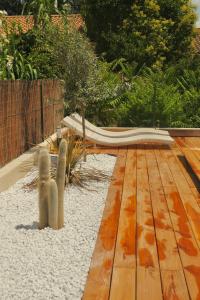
[30, 111]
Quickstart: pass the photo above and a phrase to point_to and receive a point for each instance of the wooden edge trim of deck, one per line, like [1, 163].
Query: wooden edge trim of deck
[99, 276]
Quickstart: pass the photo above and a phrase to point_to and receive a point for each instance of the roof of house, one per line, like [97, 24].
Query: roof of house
[26, 22]
[76, 20]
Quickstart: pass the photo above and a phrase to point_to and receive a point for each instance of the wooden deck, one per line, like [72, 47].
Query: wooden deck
[148, 245]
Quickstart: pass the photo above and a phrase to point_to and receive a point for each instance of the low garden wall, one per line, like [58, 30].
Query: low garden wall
[29, 112]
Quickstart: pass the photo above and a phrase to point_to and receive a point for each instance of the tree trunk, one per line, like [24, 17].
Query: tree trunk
[83, 126]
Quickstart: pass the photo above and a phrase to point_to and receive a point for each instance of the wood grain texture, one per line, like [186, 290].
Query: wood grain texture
[168, 252]
[156, 253]
[123, 284]
[126, 238]
[185, 238]
[148, 270]
[192, 155]
[125, 251]
[99, 277]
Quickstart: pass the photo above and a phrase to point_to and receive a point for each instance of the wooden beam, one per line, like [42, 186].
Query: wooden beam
[99, 277]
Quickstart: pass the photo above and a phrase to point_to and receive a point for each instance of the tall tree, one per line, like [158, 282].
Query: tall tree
[103, 18]
[150, 32]
[12, 7]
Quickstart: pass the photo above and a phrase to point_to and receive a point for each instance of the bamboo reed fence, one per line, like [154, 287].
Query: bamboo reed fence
[30, 111]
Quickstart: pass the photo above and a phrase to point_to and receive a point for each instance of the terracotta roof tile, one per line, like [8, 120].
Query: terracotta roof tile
[26, 22]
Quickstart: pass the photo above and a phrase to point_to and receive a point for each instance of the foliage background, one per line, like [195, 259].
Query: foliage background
[147, 74]
[150, 32]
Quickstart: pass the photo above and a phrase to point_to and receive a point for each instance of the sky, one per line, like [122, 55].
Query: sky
[197, 3]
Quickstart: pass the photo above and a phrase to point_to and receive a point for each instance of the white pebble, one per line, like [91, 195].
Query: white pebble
[49, 264]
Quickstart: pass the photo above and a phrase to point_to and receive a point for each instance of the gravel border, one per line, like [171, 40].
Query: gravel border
[49, 264]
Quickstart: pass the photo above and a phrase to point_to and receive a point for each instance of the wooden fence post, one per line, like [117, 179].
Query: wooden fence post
[42, 110]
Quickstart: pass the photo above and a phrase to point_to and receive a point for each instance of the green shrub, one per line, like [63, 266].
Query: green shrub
[14, 62]
[151, 101]
[109, 90]
[189, 85]
[89, 84]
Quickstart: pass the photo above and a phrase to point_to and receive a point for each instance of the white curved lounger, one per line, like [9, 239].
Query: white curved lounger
[116, 142]
[128, 133]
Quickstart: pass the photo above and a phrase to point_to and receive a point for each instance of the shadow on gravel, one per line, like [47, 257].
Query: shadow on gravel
[33, 226]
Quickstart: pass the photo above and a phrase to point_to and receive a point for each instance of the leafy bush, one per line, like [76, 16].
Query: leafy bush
[89, 84]
[61, 52]
[117, 93]
[169, 98]
[14, 63]
[190, 91]
[109, 90]
[151, 101]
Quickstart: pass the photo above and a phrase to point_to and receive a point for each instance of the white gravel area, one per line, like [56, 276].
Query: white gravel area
[49, 264]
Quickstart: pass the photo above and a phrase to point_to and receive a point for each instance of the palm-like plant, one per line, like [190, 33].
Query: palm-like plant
[76, 173]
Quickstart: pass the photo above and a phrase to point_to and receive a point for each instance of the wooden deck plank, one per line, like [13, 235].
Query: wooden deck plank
[183, 165]
[186, 242]
[125, 259]
[148, 270]
[148, 245]
[188, 174]
[193, 161]
[175, 154]
[126, 239]
[173, 279]
[99, 277]
[193, 146]
[196, 193]
[174, 203]
[191, 155]
[186, 144]
[189, 201]
[196, 143]
[148, 284]
[175, 285]
[123, 284]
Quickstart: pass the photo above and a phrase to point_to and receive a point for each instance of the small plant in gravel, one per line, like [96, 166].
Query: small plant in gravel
[77, 173]
[51, 192]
